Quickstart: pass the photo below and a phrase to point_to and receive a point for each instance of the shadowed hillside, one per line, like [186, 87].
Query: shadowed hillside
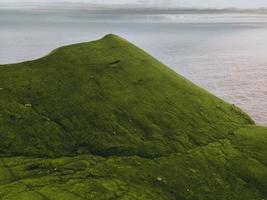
[105, 120]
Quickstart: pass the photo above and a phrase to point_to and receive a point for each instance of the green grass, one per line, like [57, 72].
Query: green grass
[105, 120]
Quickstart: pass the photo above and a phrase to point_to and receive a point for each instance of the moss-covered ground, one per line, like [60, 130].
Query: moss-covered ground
[105, 120]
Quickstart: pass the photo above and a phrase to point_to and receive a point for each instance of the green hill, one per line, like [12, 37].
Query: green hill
[105, 120]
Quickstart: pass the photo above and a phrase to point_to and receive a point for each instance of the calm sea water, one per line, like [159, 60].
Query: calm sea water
[226, 54]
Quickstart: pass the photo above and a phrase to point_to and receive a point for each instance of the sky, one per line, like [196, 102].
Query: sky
[157, 3]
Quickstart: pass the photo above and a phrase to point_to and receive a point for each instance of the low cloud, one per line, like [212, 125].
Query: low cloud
[152, 3]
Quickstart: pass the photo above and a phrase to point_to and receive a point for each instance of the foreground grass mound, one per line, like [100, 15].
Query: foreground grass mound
[105, 120]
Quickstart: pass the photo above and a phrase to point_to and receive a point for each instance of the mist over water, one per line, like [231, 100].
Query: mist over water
[226, 53]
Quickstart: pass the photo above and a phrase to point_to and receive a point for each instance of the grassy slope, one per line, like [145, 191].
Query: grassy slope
[148, 133]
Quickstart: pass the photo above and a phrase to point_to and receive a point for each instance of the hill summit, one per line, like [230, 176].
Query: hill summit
[105, 120]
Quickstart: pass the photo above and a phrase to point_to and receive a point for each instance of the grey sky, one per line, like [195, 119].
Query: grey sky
[160, 3]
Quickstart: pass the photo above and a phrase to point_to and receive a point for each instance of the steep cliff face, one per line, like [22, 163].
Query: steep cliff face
[130, 127]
